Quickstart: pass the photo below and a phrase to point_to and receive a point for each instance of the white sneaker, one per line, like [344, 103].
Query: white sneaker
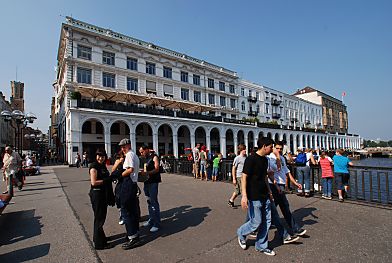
[147, 223]
[121, 221]
[154, 229]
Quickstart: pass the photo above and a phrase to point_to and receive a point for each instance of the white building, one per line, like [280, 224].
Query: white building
[110, 86]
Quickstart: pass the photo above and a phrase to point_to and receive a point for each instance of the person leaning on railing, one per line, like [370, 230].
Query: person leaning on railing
[302, 161]
[342, 176]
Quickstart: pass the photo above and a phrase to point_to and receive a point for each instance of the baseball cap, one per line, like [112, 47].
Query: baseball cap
[124, 141]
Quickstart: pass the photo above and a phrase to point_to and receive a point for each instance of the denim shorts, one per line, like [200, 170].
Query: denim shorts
[342, 179]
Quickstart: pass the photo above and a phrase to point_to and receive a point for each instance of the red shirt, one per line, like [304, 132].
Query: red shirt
[326, 168]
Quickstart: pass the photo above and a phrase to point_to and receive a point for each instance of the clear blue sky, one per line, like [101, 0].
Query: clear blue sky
[332, 45]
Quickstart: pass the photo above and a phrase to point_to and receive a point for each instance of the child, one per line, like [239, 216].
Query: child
[327, 175]
[215, 167]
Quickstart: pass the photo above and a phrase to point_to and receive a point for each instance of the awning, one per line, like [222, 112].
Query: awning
[137, 98]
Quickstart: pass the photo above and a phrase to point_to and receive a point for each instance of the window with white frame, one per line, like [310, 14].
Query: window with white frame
[196, 80]
[231, 89]
[242, 92]
[211, 83]
[233, 103]
[132, 63]
[108, 80]
[243, 108]
[167, 72]
[222, 86]
[84, 52]
[168, 90]
[84, 75]
[184, 76]
[151, 87]
[132, 84]
[211, 99]
[222, 101]
[185, 94]
[150, 68]
[108, 58]
[267, 108]
[197, 96]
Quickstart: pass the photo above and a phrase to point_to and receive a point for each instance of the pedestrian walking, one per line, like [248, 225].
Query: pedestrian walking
[12, 164]
[256, 197]
[101, 195]
[278, 178]
[236, 172]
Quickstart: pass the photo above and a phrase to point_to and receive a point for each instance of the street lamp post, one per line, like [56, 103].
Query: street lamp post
[21, 119]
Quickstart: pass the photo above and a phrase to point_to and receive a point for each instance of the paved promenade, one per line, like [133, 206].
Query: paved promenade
[50, 223]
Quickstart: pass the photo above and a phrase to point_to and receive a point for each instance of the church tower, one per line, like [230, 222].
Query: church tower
[17, 95]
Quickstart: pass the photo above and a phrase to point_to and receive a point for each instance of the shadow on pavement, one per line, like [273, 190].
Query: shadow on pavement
[26, 254]
[17, 226]
[302, 213]
[38, 189]
[173, 221]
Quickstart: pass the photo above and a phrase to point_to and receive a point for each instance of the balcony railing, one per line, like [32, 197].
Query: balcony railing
[253, 113]
[268, 125]
[227, 120]
[115, 106]
[276, 102]
[252, 99]
[198, 116]
[276, 115]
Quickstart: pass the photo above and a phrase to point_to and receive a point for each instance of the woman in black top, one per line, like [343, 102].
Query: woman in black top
[101, 195]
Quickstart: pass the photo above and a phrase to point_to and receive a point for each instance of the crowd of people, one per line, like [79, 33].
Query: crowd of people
[127, 170]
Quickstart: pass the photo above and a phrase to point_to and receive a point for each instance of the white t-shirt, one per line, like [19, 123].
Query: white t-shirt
[279, 176]
[308, 156]
[131, 160]
[239, 162]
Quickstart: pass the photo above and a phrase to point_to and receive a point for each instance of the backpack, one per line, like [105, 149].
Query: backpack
[301, 159]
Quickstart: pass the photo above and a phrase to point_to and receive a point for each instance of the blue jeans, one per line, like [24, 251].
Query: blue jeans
[281, 201]
[151, 192]
[303, 174]
[260, 218]
[327, 186]
[215, 171]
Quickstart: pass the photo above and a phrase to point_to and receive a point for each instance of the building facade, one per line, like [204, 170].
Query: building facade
[7, 132]
[334, 111]
[110, 86]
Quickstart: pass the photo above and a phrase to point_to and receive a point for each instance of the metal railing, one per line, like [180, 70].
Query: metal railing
[368, 184]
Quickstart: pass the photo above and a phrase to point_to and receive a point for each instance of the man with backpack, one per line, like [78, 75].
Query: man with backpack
[302, 163]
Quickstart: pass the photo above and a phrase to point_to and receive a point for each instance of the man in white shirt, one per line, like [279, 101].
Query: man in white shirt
[11, 164]
[277, 185]
[128, 195]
